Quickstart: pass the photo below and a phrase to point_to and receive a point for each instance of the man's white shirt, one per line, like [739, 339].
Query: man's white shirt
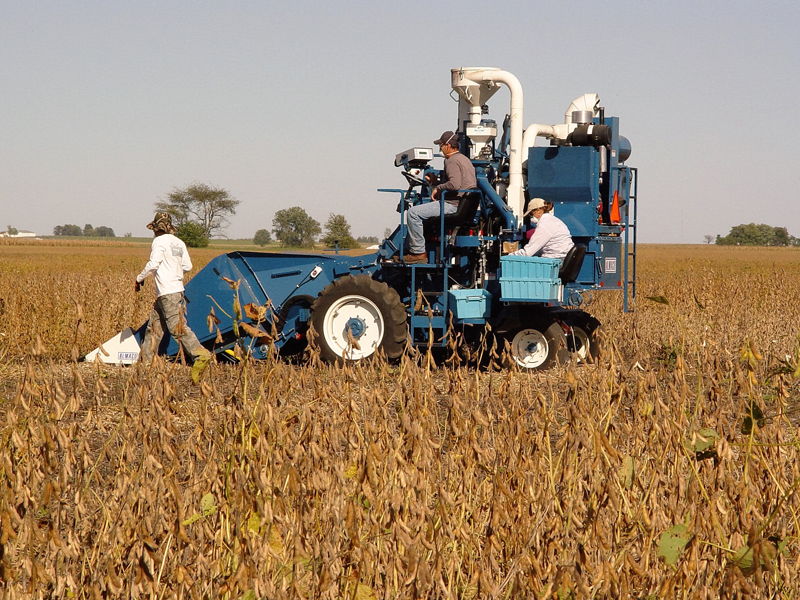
[169, 260]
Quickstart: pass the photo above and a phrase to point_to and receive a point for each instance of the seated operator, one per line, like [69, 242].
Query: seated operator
[459, 174]
[551, 239]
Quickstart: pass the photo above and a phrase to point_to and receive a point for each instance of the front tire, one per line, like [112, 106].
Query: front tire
[355, 316]
[537, 347]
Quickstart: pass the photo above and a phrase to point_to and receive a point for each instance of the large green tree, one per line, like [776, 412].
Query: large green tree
[104, 231]
[337, 232]
[294, 227]
[782, 237]
[192, 235]
[756, 235]
[72, 230]
[205, 205]
[101, 231]
[262, 237]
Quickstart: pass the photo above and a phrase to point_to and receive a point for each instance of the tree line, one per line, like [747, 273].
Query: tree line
[87, 231]
[201, 211]
[295, 228]
[198, 211]
[756, 235]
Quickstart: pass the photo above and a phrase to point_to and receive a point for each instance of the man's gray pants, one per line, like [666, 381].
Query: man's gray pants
[167, 315]
[414, 217]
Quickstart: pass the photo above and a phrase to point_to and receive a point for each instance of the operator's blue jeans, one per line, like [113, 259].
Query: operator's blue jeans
[414, 217]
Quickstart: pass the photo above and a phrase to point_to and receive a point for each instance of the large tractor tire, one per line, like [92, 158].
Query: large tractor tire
[355, 316]
[537, 346]
[584, 339]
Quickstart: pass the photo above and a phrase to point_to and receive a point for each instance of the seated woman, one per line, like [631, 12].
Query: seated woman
[551, 239]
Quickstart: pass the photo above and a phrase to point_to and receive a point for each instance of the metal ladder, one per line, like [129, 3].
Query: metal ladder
[629, 287]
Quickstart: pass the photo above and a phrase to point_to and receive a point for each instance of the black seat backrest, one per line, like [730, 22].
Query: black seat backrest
[464, 213]
[571, 265]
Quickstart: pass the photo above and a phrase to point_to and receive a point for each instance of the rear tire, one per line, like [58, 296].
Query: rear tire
[584, 339]
[355, 316]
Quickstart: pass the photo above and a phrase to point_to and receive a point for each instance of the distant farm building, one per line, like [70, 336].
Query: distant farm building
[21, 233]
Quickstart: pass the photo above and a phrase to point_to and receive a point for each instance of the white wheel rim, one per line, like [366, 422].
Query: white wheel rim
[580, 343]
[529, 348]
[346, 314]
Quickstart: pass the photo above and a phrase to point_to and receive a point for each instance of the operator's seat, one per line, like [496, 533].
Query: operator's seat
[465, 213]
[571, 265]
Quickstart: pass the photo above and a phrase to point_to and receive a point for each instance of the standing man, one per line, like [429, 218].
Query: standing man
[169, 260]
[459, 174]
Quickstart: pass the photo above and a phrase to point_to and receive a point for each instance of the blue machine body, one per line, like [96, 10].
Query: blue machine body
[466, 282]
[570, 177]
[582, 182]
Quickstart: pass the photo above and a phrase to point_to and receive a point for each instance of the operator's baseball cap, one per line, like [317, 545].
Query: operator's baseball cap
[162, 222]
[448, 137]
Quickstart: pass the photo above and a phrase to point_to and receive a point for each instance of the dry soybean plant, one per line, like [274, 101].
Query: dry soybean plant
[669, 468]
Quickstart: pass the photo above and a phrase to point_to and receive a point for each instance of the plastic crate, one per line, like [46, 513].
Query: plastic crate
[529, 267]
[529, 278]
[470, 304]
[526, 291]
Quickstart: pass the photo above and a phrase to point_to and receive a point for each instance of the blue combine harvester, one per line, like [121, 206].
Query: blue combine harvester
[360, 305]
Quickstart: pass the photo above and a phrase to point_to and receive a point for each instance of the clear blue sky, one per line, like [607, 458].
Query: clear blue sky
[106, 106]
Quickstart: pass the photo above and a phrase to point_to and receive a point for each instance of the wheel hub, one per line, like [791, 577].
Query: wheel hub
[353, 327]
[357, 327]
[532, 347]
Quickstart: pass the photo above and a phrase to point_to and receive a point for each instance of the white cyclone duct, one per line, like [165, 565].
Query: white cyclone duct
[475, 85]
[587, 105]
[534, 131]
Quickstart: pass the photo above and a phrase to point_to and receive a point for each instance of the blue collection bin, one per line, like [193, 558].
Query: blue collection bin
[529, 278]
[470, 304]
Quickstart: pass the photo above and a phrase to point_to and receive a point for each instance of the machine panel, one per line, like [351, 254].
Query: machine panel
[567, 177]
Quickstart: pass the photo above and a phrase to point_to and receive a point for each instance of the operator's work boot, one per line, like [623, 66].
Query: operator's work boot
[411, 259]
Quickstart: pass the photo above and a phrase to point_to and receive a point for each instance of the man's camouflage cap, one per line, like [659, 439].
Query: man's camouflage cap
[162, 222]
